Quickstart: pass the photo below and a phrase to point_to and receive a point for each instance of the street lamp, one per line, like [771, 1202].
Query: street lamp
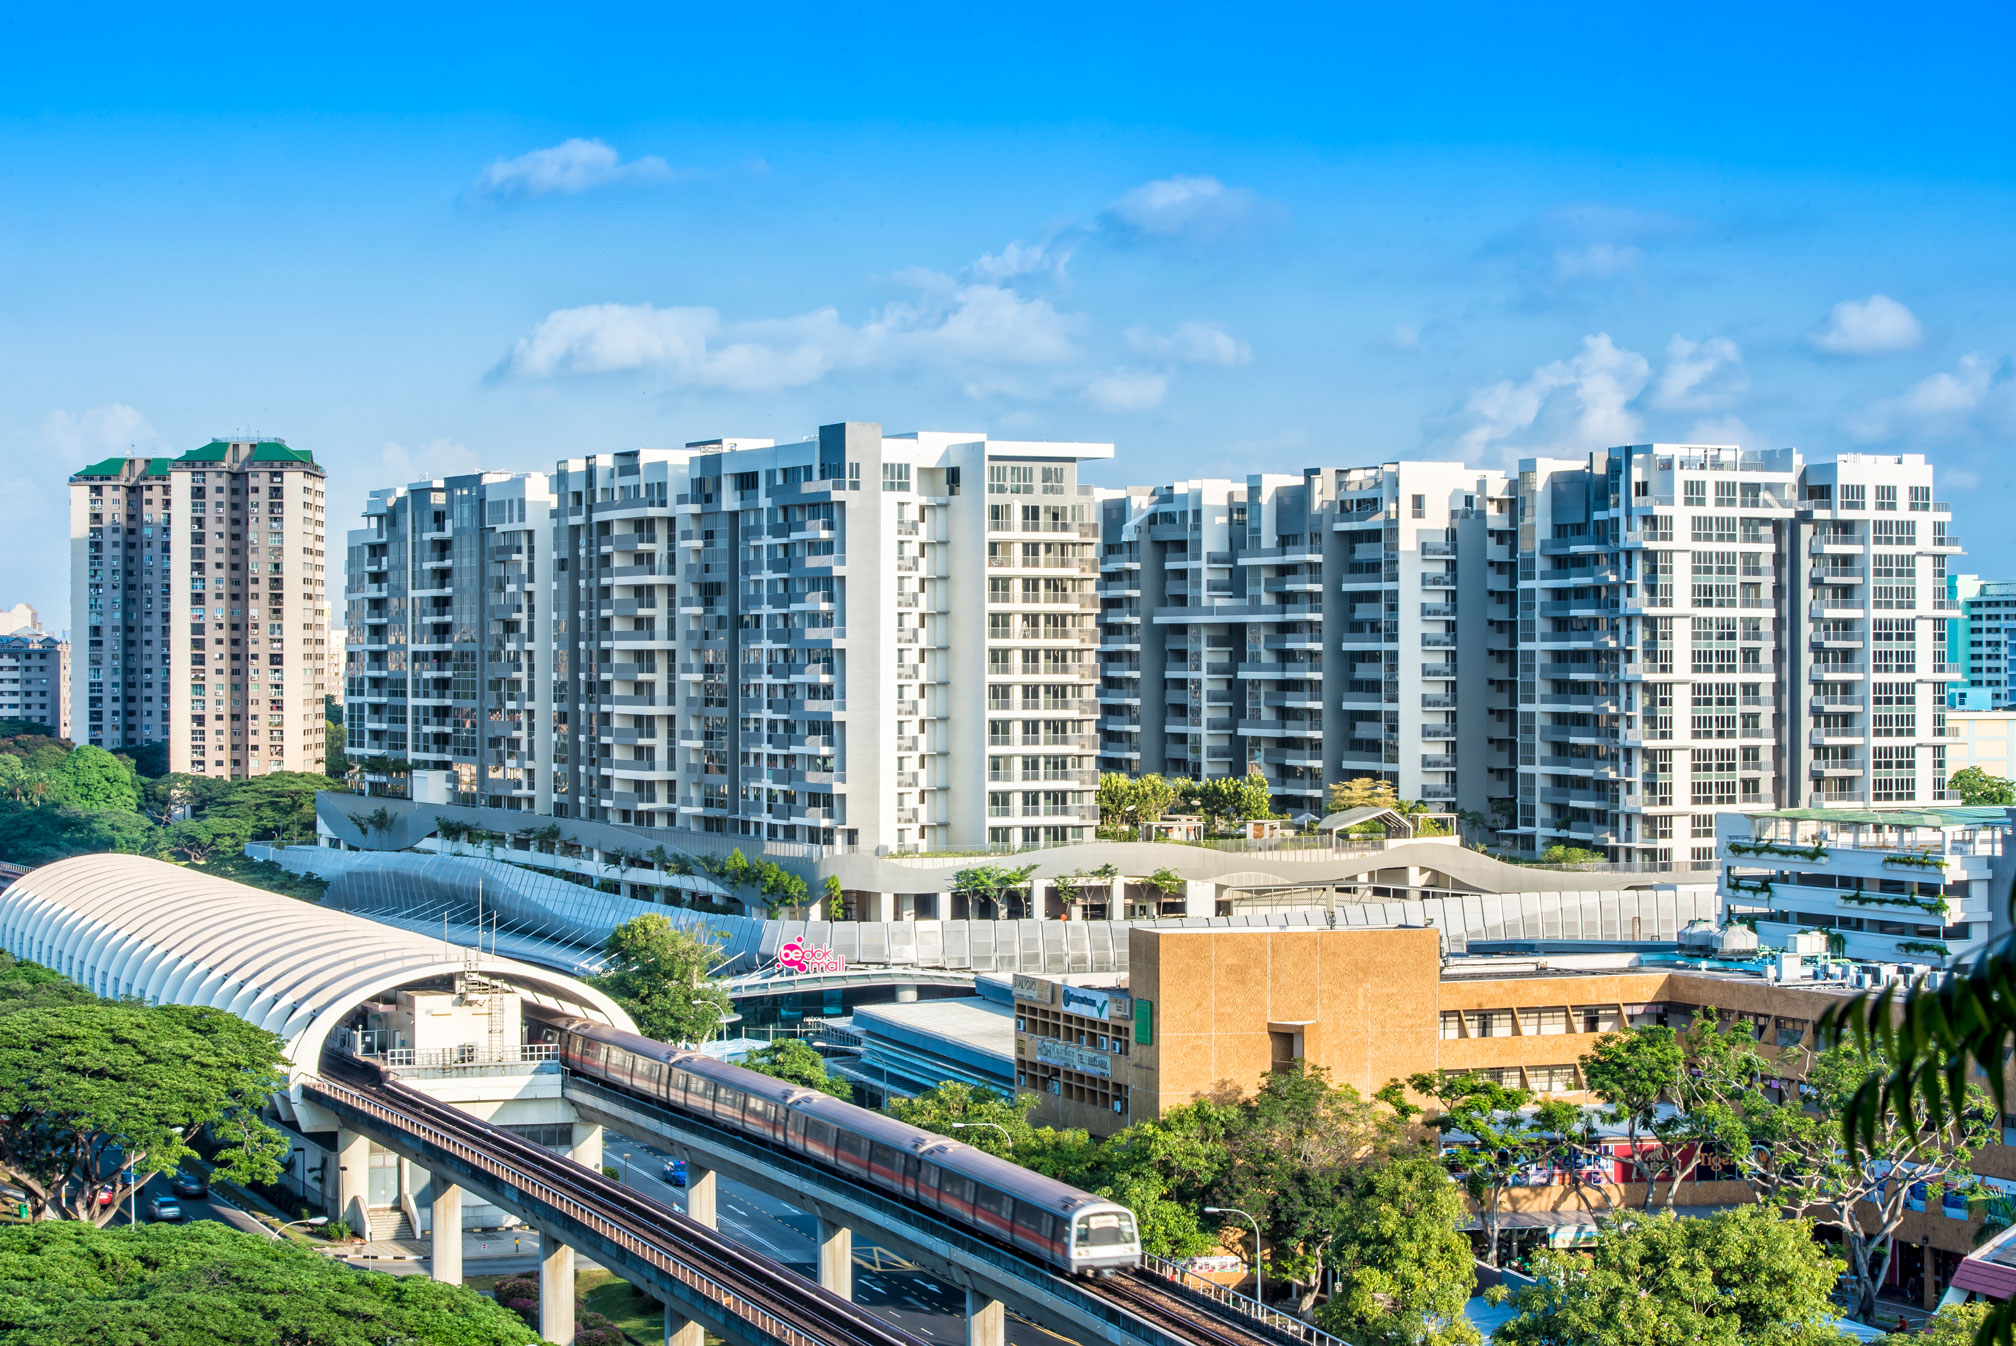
[1259, 1289]
[315, 1221]
[1007, 1138]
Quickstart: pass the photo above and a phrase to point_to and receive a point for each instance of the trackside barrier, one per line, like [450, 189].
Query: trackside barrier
[515, 1180]
[1238, 1303]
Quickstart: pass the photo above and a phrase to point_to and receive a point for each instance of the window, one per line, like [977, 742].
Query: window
[895, 476]
[1894, 647]
[1886, 498]
[1894, 710]
[1694, 494]
[1894, 532]
[1545, 1022]
[1921, 499]
[1053, 481]
[1895, 769]
[1420, 510]
[1854, 497]
[1714, 776]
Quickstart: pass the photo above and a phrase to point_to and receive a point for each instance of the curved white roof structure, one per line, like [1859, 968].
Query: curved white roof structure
[124, 925]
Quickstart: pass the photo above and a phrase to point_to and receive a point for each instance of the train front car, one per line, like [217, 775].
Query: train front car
[1104, 1238]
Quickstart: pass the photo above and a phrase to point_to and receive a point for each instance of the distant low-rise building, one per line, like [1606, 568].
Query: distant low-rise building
[1984, 739]
[34, 671]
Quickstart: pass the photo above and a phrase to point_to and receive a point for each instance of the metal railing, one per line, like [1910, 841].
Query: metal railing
[1245, 1305]
[731, 1302]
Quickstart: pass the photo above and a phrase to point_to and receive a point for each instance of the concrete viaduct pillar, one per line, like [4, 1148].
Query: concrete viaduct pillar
[586, 1147]
[836, 1258]
[700, 1194]
[556, 1290]
[445, 1230]
[681, 1330]
[986, 1320]
[353, 1182]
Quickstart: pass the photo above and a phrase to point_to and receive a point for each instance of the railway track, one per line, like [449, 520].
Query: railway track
[788, 1306]
[1146, 1295]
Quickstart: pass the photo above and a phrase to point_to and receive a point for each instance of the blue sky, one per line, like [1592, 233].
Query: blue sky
[1225, 240]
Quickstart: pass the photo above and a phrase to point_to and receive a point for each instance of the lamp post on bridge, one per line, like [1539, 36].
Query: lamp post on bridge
[1259, 1289]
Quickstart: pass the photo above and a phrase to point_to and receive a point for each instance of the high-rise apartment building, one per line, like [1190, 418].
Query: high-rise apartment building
[1602, 654]
[446, 648]
[1980, 645]
[855, 639]
[121, 596]
[1307, 627]
[34, 671]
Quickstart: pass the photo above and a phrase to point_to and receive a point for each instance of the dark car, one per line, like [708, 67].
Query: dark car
[675, 1173]
[163, 1208]
[191, 1186]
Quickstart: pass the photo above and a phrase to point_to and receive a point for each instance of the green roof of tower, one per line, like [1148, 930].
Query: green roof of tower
[263, 451]
[110, 467]
[213, 452]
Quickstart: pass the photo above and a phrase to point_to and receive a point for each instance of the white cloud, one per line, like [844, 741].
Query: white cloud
[1192, 343]
[1872, 326]
[436, 458]
[973, 331]
[1566, 407]
[1020, 259]
[1700, 375]
[1598, 261]
[1722, 430]
[567, 168]
[1127, 390]
[77, 438]
[1196, 209]
[1939, 406]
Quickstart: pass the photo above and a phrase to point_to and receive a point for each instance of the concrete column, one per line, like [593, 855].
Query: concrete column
[681, 1330]
[587, 1147]
[700, 1190]
[353, 1182]
[906, 995]
[556, 1291]
[986, 1320]
[883, 905]
[445, 1235]
[836, 1258]
[1200, 898]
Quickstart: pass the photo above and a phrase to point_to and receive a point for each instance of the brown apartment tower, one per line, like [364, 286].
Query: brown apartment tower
[197, 589]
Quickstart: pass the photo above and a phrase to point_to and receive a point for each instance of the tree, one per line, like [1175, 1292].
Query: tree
[1362, 792]
[1736, 1278]
[203, 1284]
[1794, 1156]
[937, 1108]
[1403, 1266]
[26, 986]
[1952, 1326]
[1168, 882]
[1505, 1141]
[36, 836]
[664, 977]
[1226, 799]
[1129, 801]
[1976, 786]
[836, 898]
[793, 1060]
[335, 755]
[22, 783]
[1634, 1072]
[1300, 1149]
[994, 884]
[91, 778]
[90, 1090]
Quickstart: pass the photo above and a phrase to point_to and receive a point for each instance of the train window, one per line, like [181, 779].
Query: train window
[853, 1147]
[1105, 1229]
[820, 1134]
[1033, 1222]
[888, 1160]
[990, 1201]
[699, 1091]
[797, 1125]
[927, 1175]
[730, 1100]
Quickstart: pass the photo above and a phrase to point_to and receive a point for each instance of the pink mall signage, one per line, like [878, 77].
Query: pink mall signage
[797, 956]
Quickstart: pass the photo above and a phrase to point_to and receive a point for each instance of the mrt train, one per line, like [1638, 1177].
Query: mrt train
[1071, 1230]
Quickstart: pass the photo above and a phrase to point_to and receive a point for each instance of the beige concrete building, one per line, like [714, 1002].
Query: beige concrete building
[1983, 738]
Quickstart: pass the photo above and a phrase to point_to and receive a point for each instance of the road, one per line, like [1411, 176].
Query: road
[202, 1208]
[900, 1291]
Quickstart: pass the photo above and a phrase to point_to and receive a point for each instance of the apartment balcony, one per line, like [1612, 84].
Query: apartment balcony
[1436, 579]
[1841, 672]
[1438, 672]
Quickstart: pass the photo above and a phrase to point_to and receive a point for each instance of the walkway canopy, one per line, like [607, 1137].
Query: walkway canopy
[122, 925]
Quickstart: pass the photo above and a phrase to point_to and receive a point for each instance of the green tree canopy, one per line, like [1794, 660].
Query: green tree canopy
[1741, 1277]
[1295, 1154]
[27, 986]
[203, 1284]
[793, 1060]
[1362, 792]
[89, 1089]
[664, 976]
[1975, 786]
[91, 778]
[1403, 1264]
